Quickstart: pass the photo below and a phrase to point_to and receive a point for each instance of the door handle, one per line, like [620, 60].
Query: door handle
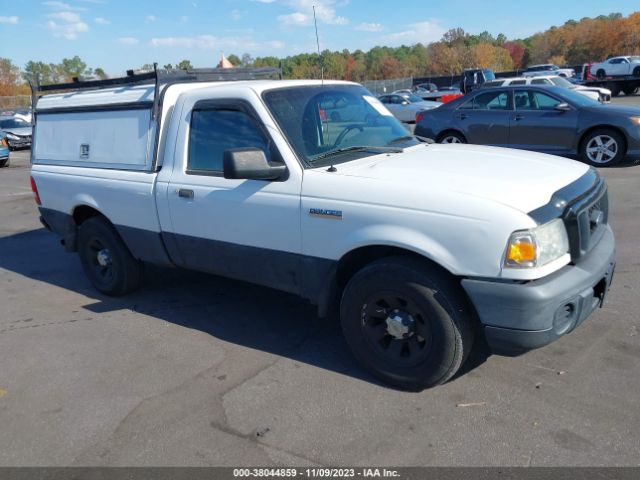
[462, 116]
[519, 117]
[185, 193]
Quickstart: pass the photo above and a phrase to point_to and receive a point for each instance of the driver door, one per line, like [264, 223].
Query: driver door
[243, 229]
[537, 125]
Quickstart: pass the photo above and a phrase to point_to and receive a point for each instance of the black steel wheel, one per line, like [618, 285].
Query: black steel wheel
[406, 322]
[105, 258]
[396, 328]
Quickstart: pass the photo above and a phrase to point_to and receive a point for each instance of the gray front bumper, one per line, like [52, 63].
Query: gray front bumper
[522, 316]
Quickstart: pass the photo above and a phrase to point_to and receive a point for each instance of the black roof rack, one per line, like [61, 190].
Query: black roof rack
[160, 77]
[167, 76]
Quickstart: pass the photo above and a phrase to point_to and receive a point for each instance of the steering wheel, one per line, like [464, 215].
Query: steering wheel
[344, 132]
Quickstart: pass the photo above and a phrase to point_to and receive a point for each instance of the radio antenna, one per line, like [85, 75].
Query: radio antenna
[315, 23]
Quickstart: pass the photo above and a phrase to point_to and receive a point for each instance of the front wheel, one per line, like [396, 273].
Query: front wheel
[106, 260]
[602, 148]
[636, 72]
[5, 163]
[406, 323]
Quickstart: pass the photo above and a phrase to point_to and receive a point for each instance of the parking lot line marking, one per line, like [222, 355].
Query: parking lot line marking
[18, 194]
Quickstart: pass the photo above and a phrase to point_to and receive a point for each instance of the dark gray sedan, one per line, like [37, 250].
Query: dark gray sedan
[540, 118]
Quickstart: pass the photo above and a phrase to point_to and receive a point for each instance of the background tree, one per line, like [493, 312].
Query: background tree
[100, 73]
[38, 72]
[234, 59]
[246, 60]
[184, 65]
[9, 78]
[74, 67]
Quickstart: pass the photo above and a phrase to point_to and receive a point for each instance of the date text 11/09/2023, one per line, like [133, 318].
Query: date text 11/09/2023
[315, 472]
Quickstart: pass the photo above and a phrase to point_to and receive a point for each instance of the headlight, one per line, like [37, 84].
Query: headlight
[12, 136]
[635, 120]
[538, 246]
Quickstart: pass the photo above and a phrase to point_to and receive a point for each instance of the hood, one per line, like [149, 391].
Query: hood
[20, 131]
[619, 109]
[516, 178]
[583, 88]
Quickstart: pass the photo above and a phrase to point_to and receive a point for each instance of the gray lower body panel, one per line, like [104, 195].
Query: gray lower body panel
[521, 316]
[309, 277]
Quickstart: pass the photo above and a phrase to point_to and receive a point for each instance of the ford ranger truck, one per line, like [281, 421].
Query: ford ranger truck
[420, 247]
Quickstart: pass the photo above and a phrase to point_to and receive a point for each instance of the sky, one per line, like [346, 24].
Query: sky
[117, 35]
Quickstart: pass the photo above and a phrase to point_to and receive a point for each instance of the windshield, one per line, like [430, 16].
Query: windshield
[412, 97]
[13, 123]
[332, 124]
[488, 75]
[634, 59]
[561, 82]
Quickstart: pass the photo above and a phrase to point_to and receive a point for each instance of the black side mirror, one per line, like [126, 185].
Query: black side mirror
[251, 164]
[562, 107]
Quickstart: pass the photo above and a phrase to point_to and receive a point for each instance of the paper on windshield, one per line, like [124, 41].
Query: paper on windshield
[377, 104]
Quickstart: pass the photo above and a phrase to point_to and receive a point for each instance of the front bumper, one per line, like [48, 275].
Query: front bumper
[21, 142]
[518, 317]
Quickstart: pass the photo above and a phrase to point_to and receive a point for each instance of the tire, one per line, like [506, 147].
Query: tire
[5, 163]
[603, 158]
[426, 335]
[601, 74]
[629, 91]
[615, 90]
[452, 137]
[636, 72]
[105, 258]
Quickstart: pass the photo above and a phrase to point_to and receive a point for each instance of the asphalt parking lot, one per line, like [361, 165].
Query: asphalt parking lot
[197, 370]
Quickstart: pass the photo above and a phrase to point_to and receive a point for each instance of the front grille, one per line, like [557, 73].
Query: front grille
[586, 220]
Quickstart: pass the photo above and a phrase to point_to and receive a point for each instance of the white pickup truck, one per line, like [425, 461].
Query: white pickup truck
[421, 246]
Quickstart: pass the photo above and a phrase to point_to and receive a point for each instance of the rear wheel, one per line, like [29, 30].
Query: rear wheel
[406, 323]
[5, 163]
[106, 260]
[601, 74]
[452, 137]
[615, 90]
[629, 91]
[603, 148]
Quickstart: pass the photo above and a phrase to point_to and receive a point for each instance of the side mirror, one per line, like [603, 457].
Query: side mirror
[405, 102]
[251, 164]
[562, 107]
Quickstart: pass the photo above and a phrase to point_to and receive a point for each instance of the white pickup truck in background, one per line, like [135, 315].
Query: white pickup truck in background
[420, 246]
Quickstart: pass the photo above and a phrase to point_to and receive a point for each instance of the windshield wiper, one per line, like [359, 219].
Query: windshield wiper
[409, 137]
[340, 151]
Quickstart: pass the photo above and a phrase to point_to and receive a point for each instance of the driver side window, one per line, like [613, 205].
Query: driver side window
[213, 131]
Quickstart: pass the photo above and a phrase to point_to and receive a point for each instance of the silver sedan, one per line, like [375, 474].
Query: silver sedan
[405, 106]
